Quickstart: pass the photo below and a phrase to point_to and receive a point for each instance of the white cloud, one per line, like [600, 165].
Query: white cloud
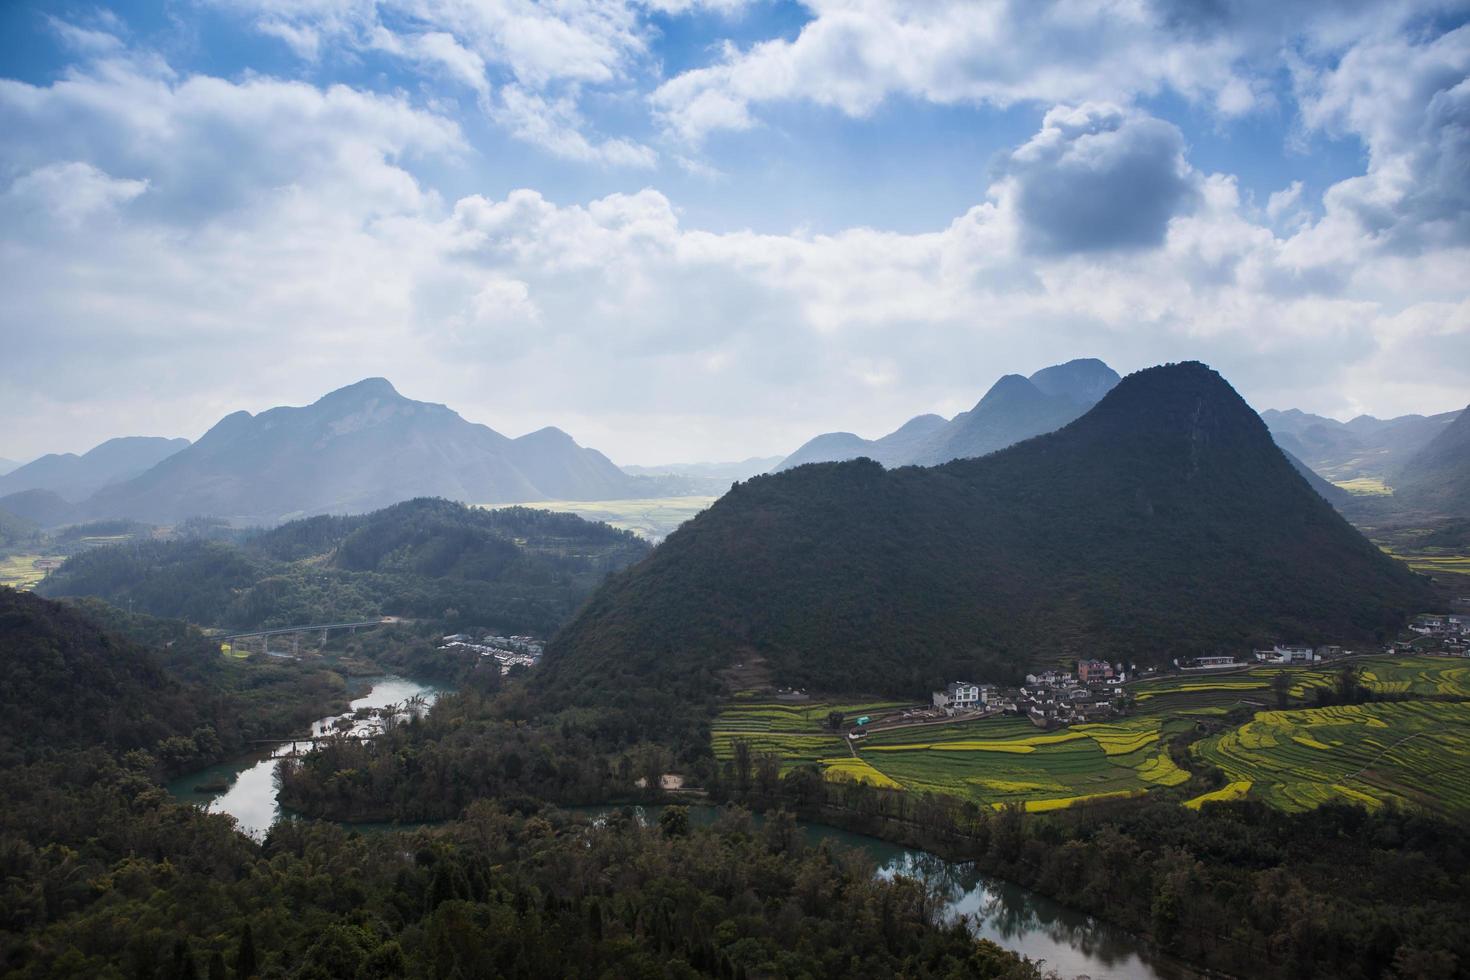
[245, 243]
[556, 126]
[855, 54]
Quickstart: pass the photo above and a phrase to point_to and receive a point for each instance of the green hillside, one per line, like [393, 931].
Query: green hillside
[517, 569]
[1164, 522]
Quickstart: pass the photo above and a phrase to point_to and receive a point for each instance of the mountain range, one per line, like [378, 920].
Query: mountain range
[1363, 447]
[75, 478]
[356, 449]
[1015, 408]
[1164, 522]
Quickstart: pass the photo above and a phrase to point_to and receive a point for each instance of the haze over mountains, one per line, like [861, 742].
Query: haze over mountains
[1015, 408]
[1165, 521]
[1362, 447]
[1436, 479]
[356, 449]
[74, 478]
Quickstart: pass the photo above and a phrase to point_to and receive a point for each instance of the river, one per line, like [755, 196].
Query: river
[251, 796]
[1065, 940]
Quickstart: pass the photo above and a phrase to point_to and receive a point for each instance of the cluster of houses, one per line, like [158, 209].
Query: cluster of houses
[1450, 633]
[508, 651]
[1049, 698]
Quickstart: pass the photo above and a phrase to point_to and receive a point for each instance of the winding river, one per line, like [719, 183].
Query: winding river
[1065, 940]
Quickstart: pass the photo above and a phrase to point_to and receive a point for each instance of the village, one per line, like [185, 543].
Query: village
[507, 651]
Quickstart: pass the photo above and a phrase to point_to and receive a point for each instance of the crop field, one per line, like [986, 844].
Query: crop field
[797, 732]
[654, 518]
[1423, 676]
[20, 572]
[1433, 562]
[1366, 486]
[1416, 752]
[1008, 760]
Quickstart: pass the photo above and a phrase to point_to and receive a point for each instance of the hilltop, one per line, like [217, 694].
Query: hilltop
[1163, 522]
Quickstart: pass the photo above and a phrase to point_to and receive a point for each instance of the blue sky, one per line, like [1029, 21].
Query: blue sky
[705, 229]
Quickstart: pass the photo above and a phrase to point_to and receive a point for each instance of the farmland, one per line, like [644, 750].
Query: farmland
[20, 572]
[654, 518]
[1411, 751]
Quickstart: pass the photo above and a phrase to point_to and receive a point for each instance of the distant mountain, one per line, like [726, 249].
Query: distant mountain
[357, 449]
[1015, 408]
[1164, 522]
[7, 465]
[42, 507]
[1331, 492]
[1437, 478]
[74, 478]
[1364, 447]
[513, 568]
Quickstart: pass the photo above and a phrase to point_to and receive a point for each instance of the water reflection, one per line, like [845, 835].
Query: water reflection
[247, 789]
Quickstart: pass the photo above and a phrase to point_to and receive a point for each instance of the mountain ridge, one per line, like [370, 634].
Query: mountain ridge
[1164, 522]
[1014, 408]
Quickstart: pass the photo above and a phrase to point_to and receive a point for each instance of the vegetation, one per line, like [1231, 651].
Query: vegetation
[1199, 536]
[651, 518]
[105, 877]
[517, 569]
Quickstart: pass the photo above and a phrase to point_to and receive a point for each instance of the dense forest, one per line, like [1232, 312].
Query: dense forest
[101, 875]
[515, 569]
[1163, 523]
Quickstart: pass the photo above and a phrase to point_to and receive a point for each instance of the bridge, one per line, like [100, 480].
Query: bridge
[243, 639]
[282, 630]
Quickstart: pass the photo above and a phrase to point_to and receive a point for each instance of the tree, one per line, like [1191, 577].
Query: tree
[1347, 684]
[1281, 687]
[245, 964]
[834, 720]
[674, 821]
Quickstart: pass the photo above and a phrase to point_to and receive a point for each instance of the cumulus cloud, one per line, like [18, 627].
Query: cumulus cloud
[1098, 177]
[1408, 100]
[545, 55]
[248, 242]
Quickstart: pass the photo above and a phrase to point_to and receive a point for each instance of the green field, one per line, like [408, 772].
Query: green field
[20, 572]
[654, 518]
[1412, 752]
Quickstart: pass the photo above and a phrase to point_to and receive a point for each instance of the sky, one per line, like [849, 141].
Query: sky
[709, 229]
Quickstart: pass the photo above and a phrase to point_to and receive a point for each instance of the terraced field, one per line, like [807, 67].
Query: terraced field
[1005, 760]
[19, 571]
[797, 732]
[1413, 752]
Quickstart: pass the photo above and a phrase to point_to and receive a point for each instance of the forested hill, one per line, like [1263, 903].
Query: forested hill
[518, 569]
[1437, 479]
[1163, 522]
[65, 681]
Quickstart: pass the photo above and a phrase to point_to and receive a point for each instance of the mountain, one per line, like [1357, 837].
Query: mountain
[1331, 492]
[1164, 522]
[74, 478]
[1365, 447]
[1437, 478]
[356, 449]
[43, 507]
[514, 568]
[1015, 408]
[65, 681]
[7, 465]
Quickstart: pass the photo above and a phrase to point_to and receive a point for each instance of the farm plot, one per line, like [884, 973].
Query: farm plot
[1413, 752]
[796, 732]
[1423, 676]
[1044, 770]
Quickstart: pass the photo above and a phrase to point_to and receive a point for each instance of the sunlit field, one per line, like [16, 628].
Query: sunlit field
[654, 518]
